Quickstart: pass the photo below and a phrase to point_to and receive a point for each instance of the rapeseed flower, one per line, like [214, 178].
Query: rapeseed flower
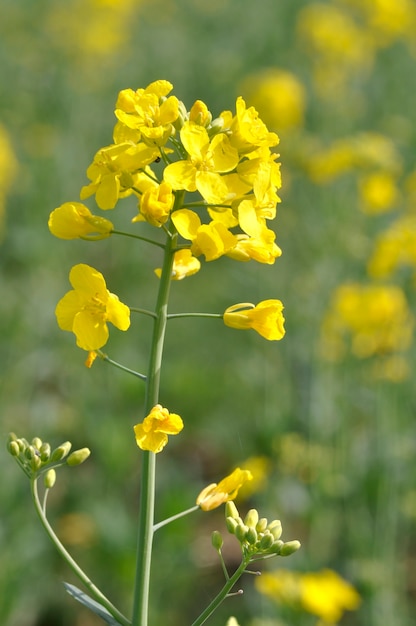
[266, 318]
[152, 433]
[73, 220]
[184, 264]
[213, 239]
[86, 309]
[156, 204]
[227, 489]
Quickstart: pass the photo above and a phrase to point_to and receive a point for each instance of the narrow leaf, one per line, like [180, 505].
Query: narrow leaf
[91, 604]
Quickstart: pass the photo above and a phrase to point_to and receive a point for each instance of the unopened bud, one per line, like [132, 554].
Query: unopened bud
[240, 532]
[35, 463]
[231, 524]
[266, 541]
[277, 546]
[275, 528]
[49, 479]
[36, 442]
[216, 540]
[78, 456]
[231, 510]
[45, 452]
[13, 448]
[30, 452]
[251, 535]
[289, 547]
[261, 525]
[251, 518]
[216, 126]
[22, 443]
[61, 452]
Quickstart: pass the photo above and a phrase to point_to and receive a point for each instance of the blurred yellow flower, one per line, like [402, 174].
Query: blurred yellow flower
[377, 318]
[73, 220]
[8, 171]
[279, 97]
[155, 204]
[152, 433]
[86, 309]
[395, 248]
[324, 593]
[227, 489]
[378, 192]
[266, 318]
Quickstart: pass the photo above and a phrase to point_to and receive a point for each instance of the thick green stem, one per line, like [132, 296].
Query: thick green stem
[147, 494]
[94, 591]
[220, 597]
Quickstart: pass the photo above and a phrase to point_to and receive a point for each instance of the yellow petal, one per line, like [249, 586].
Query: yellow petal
[90, 331]
[117, 312]
[181, 175]
[187, 223]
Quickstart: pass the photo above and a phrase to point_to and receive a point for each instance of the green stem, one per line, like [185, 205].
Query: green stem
[124, 234]
[94, 591]
[168, 520]
[119, 366]
[220, 597]
[176, 315]
[147, 493]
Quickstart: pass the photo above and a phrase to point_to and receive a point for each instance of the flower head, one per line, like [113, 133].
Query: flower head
[156, 204]
[86, 309]
[73, 220]
[152, 433]
[227, 489]
[266, 318]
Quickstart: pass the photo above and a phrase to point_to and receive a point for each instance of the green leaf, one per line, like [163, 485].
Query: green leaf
[91, 604]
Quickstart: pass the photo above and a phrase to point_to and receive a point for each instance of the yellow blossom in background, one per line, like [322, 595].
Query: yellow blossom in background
[279, 97]
[152, 433]
[324, 593]
[227, 489]
[8, 171]
[378, 192]
[156, 204]
[259, 467]
[73, 220]
[86, 309]
[266, 318]
[395, 248]
[376, 319]
[184, 264]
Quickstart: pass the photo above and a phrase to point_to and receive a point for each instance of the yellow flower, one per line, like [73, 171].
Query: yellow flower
[73, 220]
[207, 160]
[248, 131]
[156, 204]
[86, 309]
[199, 113]
[152, 433]
[266, 318]
[213, 239]
[227, 489]
[149, 111]
[395, 248]
[379, 192]
[114, 171]
[327, 595]
[184, 264]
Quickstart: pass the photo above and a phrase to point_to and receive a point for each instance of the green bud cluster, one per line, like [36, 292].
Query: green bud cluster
[257, 536]
[36, 457]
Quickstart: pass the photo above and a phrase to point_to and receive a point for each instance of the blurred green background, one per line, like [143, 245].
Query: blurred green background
[327, 415]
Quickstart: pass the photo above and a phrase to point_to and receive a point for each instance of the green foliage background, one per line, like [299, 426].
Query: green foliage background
[340, 445]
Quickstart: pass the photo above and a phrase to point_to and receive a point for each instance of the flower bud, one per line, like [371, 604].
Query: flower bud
[240, 532]
[275, 528]
[216, 540]
[231, 510]
[61, 452]
[289, 547]
[30, 452]
[23, 444]
[49, 479]
[266, 541]
[231, 525]
[251, 518]
[261, 525]
[13, 448]
[251, 535]
[78, 456]
[36, 442]
[35, 463]
[45, 452]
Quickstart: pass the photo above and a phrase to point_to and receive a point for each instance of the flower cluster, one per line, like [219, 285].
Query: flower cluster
[37, 457]
[256, 535]
[161, 153]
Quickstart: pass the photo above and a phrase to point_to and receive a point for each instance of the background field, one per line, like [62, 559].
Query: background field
[328, 414]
